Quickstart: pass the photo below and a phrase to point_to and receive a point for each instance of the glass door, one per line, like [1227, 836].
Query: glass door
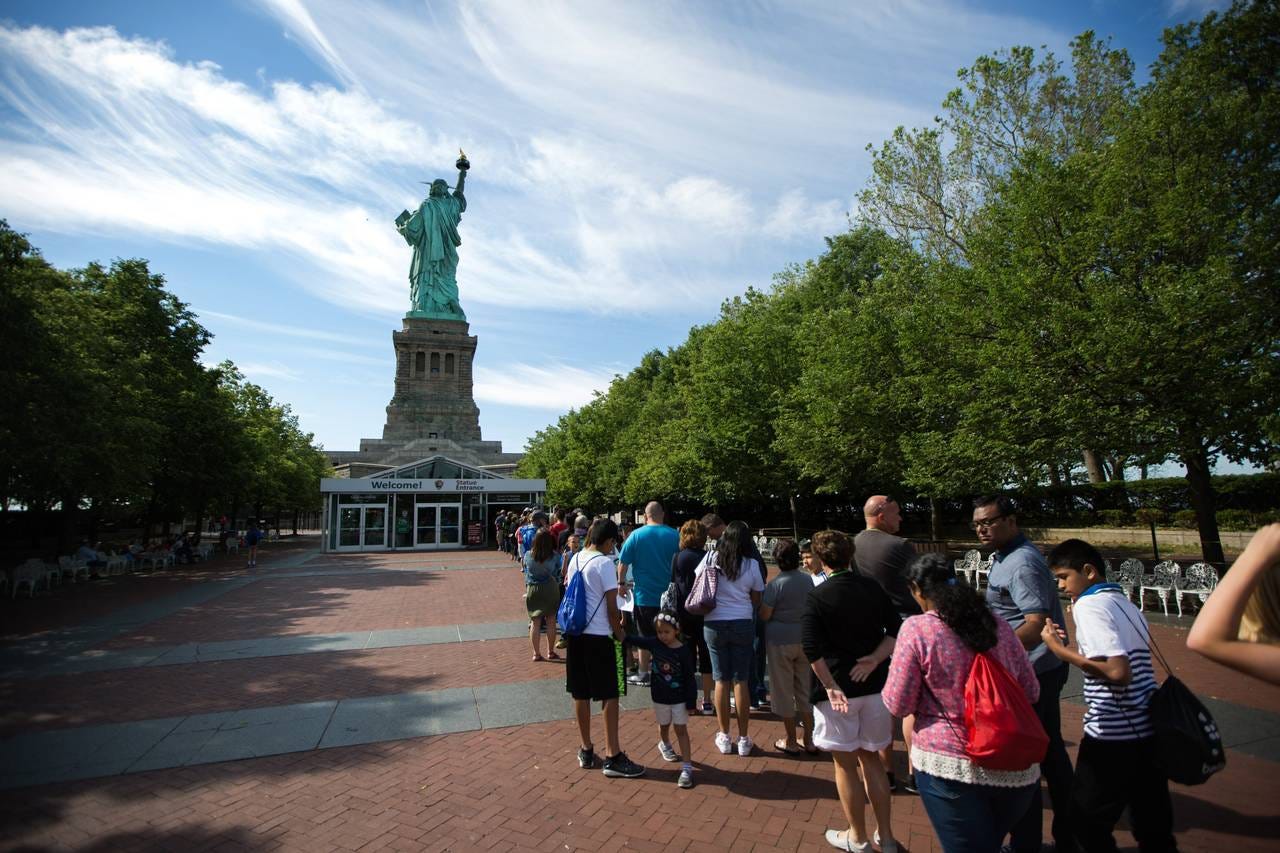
[375, 527]
[362, 528]
[438, 526]
[451, 525]
[349, 528]
[426, 533]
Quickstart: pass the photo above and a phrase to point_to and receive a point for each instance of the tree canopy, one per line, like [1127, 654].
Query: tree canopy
[110, 410]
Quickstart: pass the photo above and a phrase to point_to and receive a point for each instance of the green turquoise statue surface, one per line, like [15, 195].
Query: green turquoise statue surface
[432, 231]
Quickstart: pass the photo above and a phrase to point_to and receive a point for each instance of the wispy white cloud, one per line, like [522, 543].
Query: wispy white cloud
[121, 137]
[303, 26]
[1193, 8]
[283, 329]
[255, 371]
[795, 214]
[540, 386]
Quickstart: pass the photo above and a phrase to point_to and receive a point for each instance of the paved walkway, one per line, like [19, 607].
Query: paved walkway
[338, 702]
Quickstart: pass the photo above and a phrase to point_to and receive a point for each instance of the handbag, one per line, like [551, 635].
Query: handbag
[702, 595]
[1188, 744]
[671, 600]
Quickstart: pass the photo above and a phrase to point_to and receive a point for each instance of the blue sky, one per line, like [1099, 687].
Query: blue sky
[632, 164]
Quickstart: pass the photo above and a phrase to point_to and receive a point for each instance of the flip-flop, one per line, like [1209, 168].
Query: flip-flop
[552, 656]
[538, 657]
[781, 745]
[813, 750]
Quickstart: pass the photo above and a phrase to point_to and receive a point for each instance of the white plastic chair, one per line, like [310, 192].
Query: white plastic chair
[20, 575]
[75, 566]
[157, 559]
[1164, 579]
[1201, 580]
[29, 574]
[52, 574]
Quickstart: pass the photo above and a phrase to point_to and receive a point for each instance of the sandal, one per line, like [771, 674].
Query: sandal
[538, 657]
[552, 656]
[812, 750]
[781, 745]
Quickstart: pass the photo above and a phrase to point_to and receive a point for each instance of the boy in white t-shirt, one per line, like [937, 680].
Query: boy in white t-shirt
[1116, 767]
[593, 659]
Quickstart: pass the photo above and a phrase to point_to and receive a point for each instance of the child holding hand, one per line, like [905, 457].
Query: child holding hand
[674, 688]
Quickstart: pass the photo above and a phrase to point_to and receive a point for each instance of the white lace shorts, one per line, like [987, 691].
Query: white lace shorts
[867, 725]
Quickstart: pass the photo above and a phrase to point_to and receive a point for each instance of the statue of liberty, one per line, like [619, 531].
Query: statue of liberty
[432, 231]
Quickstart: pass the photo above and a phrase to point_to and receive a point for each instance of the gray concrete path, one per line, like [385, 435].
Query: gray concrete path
[116, 748]
[100, 660]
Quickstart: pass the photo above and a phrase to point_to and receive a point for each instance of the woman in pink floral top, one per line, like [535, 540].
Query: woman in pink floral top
[971, 807]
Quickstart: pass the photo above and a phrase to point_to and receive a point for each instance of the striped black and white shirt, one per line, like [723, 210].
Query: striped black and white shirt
[1108, 625]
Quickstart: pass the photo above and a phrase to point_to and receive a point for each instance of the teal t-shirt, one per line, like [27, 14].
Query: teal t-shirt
[648, 551]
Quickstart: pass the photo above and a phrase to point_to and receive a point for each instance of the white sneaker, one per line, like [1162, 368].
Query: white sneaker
[836, 841]
[744, 745]
[723, 743]
[667, 753]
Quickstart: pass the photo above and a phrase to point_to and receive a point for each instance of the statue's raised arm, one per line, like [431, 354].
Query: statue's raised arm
[463, 165]
[432, 231]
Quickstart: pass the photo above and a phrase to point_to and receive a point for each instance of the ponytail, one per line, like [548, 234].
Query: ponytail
[960, 607]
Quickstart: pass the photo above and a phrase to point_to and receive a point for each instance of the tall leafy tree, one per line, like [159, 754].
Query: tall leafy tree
[931, 186]
[1136, 286]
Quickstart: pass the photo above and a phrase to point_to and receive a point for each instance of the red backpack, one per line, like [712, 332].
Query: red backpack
[1002, 731]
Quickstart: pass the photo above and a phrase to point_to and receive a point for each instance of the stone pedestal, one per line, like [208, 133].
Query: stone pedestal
[433, 389]
[432, 410]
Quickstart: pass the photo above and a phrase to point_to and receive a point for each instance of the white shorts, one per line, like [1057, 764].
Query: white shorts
[668, 714]
[867, 725]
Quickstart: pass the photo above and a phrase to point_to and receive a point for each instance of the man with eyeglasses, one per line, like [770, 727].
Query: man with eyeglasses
[1022, 591]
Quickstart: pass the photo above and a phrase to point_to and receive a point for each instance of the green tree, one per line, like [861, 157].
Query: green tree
[1135, 287]
[931, 186]
[110, 409]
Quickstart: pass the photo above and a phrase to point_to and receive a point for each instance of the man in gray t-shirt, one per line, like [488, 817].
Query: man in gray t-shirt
[1022, 591]
[882, 556]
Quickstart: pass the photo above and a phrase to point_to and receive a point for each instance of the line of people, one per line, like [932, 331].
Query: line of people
[869, 633]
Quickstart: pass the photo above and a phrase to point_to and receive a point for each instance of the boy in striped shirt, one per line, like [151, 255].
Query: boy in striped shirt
[1116, 766]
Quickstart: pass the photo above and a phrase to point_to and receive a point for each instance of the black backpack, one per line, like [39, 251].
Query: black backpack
[1188, 744]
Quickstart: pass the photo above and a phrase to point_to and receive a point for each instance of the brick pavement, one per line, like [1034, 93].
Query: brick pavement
[519, 788]
[515, 788]
[347, 602]
[72, 604]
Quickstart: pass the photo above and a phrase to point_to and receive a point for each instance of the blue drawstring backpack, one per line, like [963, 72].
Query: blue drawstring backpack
[572, 615]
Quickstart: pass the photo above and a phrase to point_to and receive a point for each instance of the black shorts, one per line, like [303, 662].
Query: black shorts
[594, 668]
[644, 617]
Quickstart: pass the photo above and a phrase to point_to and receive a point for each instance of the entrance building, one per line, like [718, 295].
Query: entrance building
[432, 504]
